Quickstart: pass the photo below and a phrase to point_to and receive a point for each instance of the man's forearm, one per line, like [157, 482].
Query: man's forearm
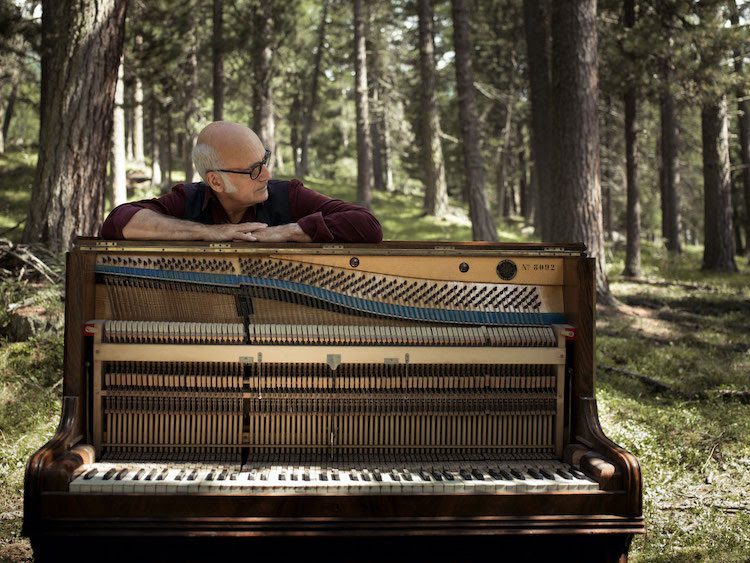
[150, 225]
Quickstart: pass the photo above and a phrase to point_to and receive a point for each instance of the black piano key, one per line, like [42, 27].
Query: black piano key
[547, 474]
[366, 476]
[448, 476]
[193, 475]
[282, 476]
[376, 474]
[324, 476]
[222, 476]
[306, 476]
[163, 475]
[210, 476]
[517, 474]
[335, 475]
[121, 474]
[478, 475]
[505, 475]
[395, 476]
[151, 475]
[293, 476]
[180, 476]
[495, 474]
[407, 475]
[577, 473]
[425, 476]
[534, 473]
[90, 474]
[109, 474]
[437, 475]
[465, 475]
[139, 474]
[353, 476]
[233, 476]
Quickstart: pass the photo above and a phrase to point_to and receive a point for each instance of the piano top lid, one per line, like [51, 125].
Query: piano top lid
[438, 248]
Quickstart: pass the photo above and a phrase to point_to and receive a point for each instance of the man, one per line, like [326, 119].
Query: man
[238, 200]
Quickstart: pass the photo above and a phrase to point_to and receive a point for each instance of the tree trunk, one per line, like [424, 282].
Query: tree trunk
[743, 126]
[718, 250]
[386, 150]
[190, 92]
[117, 164]
[217, 49]
[9, 107]
[536, 26]
[668, 171]
[81, 49]
[436, 188]
[575, 121]
[522, 178]
[138, 151]
[482, 226]
[168, 152]
[376, 135]
[310, 98]
[633, 245]
[262, 62]
[155, 148]
[364, 142]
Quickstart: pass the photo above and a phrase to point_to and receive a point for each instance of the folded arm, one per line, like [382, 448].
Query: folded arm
[147, 224]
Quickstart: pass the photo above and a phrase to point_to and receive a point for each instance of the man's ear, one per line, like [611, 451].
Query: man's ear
[215, 181]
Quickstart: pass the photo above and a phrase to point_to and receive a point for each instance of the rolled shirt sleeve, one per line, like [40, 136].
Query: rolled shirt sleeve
[172, 204]
[325, 219]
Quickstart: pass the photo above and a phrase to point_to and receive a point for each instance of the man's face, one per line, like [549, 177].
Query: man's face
[242, 188]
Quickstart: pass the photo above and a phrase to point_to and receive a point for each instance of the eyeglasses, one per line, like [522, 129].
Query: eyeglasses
[253, 171]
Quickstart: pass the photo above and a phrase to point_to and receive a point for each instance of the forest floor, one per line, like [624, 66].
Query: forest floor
[673, 379]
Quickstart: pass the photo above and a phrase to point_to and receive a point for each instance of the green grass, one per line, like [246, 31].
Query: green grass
[16, 178]
[681, 326]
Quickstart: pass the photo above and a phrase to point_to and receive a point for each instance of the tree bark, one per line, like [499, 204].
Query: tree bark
[168, 153]
[119, 159]
[310, 96]
[523, 195]
[668, 171]
[718, 250]
[436, 188]
[190, 92]
[217, 50]
[633, 219]
[743, 126]
[81, 50]
[9, 108]
[263, 52]
[364, 142]
[138, 151]
[537, 32]
[155, 139]
[575, 121]
[482, 226]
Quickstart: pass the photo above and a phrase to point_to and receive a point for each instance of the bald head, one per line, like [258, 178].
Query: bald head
[223, 144]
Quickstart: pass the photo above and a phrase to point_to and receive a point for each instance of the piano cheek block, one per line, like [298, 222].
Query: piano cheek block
[405, 389]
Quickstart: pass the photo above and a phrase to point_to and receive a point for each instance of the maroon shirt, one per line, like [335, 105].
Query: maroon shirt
[322, 218]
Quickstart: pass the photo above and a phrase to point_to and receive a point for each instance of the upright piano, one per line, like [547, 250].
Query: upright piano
[337, 402]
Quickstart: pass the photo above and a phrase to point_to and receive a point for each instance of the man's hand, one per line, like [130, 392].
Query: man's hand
[237, 232]
[282, 233]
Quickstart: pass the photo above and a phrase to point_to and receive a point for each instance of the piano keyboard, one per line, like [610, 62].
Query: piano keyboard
[334, 479]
